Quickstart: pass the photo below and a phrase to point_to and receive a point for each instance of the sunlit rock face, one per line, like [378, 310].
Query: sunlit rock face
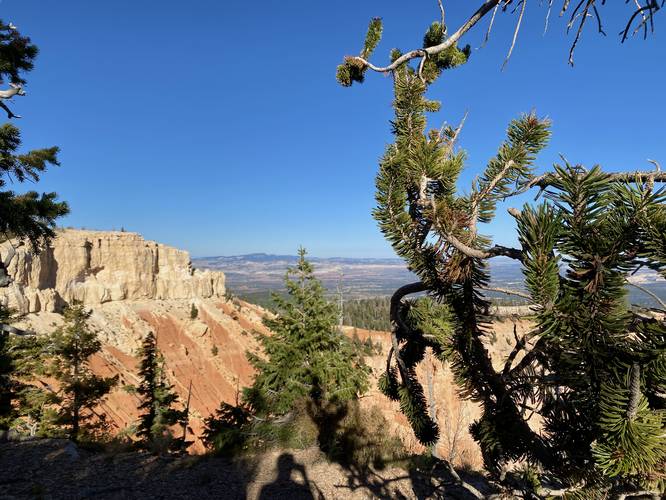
[95, 267]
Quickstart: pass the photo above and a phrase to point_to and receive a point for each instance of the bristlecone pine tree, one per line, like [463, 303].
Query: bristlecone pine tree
[70, 348]
[157, 395]
[581, 399]
[306, 356]
[28, 216]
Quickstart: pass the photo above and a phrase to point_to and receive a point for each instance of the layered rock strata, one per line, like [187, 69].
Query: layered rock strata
[96, 267]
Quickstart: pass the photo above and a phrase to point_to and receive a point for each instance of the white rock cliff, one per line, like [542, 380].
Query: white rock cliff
[95, 267]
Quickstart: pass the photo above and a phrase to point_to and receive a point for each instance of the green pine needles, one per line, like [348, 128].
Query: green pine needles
[29, 215]
[70, 348]
[581, 399]
[158, 400]
[306, 356]
[308, 378]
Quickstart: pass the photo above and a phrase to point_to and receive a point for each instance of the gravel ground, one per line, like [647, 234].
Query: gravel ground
[58, 469]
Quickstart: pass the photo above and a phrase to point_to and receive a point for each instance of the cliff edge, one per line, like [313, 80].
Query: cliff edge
[95, 267]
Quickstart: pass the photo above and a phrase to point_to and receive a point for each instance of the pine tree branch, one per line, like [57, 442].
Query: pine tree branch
[487, 189]
[396, 302]
[634, 391]
[475, 253]
[10, 114]
[545, 181]
[487, 6]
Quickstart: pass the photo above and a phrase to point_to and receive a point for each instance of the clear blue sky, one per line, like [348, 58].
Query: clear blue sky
[218, 127]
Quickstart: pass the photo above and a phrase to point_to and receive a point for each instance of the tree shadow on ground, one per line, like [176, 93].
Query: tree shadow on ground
[428, 477]
[58, 469]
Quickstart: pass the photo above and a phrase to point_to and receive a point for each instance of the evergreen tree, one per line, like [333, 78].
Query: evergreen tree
[70, 348]
[591, 370]
[305, 356]
[27, 216]
[26, 405]
[157, 396]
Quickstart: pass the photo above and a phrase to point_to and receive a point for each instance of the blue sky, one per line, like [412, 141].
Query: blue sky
[218, 127]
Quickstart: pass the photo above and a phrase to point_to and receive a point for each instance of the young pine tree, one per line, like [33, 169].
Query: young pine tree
[70, 348]
[592, 371]
[157, 396]
[305, 356]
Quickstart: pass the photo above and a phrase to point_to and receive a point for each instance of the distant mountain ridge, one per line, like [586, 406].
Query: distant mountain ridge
[267, 257]
[253, 275]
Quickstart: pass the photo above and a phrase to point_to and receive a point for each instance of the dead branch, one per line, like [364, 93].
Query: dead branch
[490, 26]
[550, 6]
[648, 292]
[515, 32]
[584, 14]
[10, 114]
[507, 291]
[441, 9]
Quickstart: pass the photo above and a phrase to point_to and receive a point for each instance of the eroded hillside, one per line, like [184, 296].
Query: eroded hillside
[134, 286]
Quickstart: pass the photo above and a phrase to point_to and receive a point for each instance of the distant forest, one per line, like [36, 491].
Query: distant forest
[369, 314]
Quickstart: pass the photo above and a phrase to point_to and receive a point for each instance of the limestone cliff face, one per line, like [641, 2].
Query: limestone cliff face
[95, 267]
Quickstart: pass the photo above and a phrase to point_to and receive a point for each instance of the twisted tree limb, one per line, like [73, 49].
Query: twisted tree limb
[550, 179]
[646, 12]
[487, 6]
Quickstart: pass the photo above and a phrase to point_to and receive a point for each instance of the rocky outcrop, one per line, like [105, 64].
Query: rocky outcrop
[95, 267]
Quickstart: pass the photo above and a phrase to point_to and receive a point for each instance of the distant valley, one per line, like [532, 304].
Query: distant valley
[253, 276]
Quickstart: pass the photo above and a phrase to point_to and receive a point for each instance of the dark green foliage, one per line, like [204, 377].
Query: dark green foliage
[157, 396]
[308, 373]
[194, 312]
[343, 431]
[592, 371]
[30, 215]
[351, 70]
[17, 54]
[70, 348]
[369, 314]
[305, 356]
[27, 406]
[226, 431]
